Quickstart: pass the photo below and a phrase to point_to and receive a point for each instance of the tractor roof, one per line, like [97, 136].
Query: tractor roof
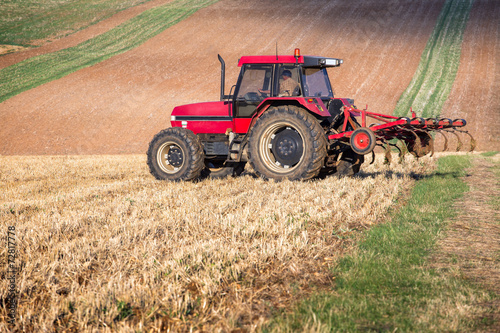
[307, 61]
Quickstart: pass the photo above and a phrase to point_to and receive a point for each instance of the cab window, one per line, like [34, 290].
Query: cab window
[316, 82]
[255, 78]
[255, 84]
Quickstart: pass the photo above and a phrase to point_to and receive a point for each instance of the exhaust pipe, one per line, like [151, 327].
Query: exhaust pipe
[222, 77]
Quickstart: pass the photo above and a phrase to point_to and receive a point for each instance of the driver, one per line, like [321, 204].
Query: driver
[287, 86]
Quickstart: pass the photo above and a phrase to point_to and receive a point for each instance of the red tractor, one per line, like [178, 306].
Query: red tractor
[282, 117]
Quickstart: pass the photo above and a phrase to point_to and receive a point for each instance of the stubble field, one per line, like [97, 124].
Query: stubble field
[102, 245]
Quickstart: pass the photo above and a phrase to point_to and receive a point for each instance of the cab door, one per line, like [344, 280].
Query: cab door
[255, 83]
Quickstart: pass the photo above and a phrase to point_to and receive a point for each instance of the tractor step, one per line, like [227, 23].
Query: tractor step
[236, 142]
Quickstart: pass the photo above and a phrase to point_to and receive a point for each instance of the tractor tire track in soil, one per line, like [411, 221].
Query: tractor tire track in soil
[118, 105]
[472, 242]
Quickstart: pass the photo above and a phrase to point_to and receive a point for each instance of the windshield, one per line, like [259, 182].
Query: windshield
[255, 78]
[316, 82]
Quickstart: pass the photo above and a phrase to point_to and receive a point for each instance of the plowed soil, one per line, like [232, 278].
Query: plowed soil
[118, 105]
[476, 91]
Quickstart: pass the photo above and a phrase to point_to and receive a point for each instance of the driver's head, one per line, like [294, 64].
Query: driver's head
[286, 74]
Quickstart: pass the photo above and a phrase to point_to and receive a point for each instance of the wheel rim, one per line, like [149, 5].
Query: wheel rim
[170, 157]
[282, 147]
[362, 141]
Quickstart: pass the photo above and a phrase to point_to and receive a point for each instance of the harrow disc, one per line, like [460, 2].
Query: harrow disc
[421, 121]
[406, 119]
[421, 145]
[446, 121]
[432, 121]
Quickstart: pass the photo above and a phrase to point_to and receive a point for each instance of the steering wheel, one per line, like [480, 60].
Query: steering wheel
[263, 94]
[251, 96]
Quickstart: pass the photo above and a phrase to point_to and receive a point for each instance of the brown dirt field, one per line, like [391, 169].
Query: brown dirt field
[118, 105]
[476, 92]
[80, 36]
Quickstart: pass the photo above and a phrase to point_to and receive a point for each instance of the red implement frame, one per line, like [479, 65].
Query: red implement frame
[409, 130]
[394, 127]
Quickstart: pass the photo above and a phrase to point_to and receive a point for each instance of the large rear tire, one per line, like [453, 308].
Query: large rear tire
[287, 142]
[175, 154]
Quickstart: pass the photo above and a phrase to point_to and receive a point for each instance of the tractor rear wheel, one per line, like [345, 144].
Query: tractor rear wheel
[175, 154]
[287, 142]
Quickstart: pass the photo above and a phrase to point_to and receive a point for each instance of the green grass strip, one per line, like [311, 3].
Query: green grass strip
[387, 285]
[23, 22]
[436, 72]
[45, 68]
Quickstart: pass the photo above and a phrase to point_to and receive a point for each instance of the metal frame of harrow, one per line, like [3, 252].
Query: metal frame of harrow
[411, 131]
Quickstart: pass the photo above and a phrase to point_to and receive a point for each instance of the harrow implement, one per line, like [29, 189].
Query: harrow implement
[415, 132]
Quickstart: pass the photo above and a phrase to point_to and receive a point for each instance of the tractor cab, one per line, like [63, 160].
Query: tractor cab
[271, 78]
[263, 82]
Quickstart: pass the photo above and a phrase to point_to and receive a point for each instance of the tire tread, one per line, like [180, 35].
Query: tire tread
[196, 153]
[315, 131]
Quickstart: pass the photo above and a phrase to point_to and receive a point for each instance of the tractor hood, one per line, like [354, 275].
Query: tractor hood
[209, 117]
[202, 111]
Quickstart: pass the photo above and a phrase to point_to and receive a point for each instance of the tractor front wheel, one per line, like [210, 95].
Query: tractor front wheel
[287, 142]
[175, 154]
